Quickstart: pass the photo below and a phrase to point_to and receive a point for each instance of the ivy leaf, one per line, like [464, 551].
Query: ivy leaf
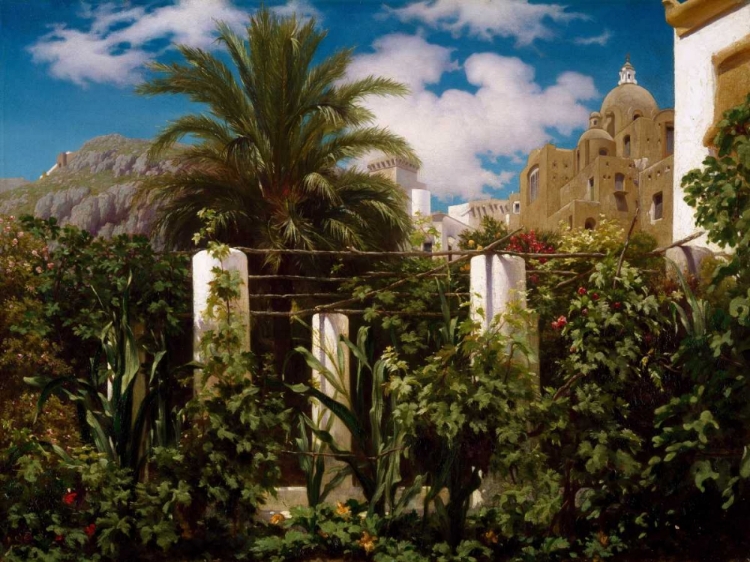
[745, 463]
[703, 472]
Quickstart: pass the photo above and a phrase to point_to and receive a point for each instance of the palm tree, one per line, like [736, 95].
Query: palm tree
[271, 145]
[271, 152]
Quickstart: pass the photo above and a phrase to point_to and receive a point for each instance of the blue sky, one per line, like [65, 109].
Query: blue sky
[490, 80]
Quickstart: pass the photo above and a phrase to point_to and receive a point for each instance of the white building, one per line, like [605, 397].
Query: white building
[712, 74]
[444, 228]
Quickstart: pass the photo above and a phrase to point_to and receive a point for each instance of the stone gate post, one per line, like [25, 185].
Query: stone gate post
[203, 264]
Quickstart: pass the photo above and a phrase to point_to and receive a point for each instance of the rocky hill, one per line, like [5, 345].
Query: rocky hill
[6, 184]
[94, 191]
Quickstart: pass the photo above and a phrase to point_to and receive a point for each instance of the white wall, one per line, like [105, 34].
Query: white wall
[695, 85]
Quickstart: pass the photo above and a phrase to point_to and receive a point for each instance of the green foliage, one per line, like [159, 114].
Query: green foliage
[98, 295]
[378, 439]
[56, 508]
[466, 409]
[27, 345]
[720, 192]
[490, 229]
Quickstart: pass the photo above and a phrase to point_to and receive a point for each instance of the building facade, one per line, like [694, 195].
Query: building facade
[712, 74]
[621, 167]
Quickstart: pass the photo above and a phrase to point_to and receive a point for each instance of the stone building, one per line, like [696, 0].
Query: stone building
[442, 229]
[473, 212]
[712, 74]
[622, 165]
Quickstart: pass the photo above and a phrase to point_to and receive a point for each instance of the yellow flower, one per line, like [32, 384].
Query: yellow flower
[603, 539]
[277, 519]
[471, 243]
[367, 542]
[343, 509]
[491, 537]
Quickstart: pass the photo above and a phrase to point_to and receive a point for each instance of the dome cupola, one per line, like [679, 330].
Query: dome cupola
[627, 101]
[627, 73]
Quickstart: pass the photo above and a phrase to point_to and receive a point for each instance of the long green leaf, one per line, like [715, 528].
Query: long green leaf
[341, 412]
[316, 365]
[49, 389]
[101, 439]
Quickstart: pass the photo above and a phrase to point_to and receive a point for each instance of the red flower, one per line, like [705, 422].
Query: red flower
[617, 305]
[584, 312]
[595, 296]
[90, 530]
[69, 498]
[560, 323]
[582, 291]
[59, 538]
[534, 279]
[27, 537]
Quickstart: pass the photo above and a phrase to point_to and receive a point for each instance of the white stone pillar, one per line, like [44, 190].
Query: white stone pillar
[327, 330]
[203, 264]
[496, 283]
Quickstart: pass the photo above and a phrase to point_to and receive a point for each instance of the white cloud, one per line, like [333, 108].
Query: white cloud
[408, 59]
[118, 41]
[302, 8]
[487, 19]
[506, 114]
[600, 40]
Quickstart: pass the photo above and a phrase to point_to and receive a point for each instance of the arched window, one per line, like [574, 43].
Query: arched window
[533, 184]
[619, 182]
[590, 224]
[590, 189]
[603, 152]
[636, 116]
[626, 146]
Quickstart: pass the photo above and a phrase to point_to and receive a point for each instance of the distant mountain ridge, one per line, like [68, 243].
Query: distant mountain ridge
[94, 190]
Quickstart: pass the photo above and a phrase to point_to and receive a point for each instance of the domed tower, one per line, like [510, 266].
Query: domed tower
[594, 142]
[627, 102]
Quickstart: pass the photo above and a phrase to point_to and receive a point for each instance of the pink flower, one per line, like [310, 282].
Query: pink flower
[20, 234]
[582, 291]
[50, 265]
[38, 269]
[560, 323]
